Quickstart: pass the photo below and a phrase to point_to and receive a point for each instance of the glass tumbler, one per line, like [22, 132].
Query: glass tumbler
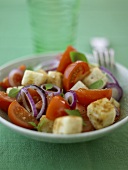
[53, 23]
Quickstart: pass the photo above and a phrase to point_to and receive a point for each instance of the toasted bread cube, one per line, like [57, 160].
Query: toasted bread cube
[42, 71]
[101, 113]
[33, 77]
[115, 103]
[45, 125]
[95, 75]
[79, 85]
[68, 125]
[55, 78]
[10, 88]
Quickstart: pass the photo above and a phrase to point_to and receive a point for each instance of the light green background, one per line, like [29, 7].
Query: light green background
[97, 18]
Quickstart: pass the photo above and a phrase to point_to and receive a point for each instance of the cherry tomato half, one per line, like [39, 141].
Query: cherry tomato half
[74, 72]
[5, 83]
[16, 78]
[20, 116]
[5, 101]
[87, 96]
[36, 97]
[65, 59]
[56, 108]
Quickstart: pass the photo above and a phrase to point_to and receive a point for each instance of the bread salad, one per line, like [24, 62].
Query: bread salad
[64, 95]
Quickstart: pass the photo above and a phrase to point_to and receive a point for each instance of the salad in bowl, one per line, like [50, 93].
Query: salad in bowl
[64, 95]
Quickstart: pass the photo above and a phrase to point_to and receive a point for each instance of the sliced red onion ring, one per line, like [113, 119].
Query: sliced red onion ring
[49, 65]
[54, 90]
[117, 91]
[24, 91]
[59, 56]
[31, 102]
[110, 75]
[71, 98]
[15, 81]
[43, 98]
[21, 98]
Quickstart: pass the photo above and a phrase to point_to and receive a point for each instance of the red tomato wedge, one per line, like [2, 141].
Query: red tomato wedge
[65, 59]
[87, 96]
[5, 101]
[20, 116]
[56, 108]
[73, 73]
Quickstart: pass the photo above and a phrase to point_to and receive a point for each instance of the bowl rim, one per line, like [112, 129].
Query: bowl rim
[50, 135]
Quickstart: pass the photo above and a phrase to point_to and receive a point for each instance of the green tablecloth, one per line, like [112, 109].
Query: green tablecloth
[97, 18]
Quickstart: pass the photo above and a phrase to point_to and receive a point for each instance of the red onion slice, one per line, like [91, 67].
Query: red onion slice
[21, 97]
[55, 90]
[15, 77]
[31, 102]
[43, 98]
[59, 56]
[49, 65]
[110, 75]
[71, 98]
[117, 91]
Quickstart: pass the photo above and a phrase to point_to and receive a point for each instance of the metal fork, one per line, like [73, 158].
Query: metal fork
[105, 57]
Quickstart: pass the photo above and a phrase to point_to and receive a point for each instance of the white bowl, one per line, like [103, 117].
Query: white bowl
[120, 72]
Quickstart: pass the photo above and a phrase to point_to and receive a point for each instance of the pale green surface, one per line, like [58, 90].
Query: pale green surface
[98, 18]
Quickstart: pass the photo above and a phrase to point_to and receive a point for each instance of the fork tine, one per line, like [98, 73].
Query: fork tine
[102, 59]
[96, 58]
[112, 54]
[105, 57]
[99, 57]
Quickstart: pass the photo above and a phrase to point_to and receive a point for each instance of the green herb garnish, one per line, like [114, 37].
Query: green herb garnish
[62, 94]
[97, 84]
[48, 86]
[74, 113]
[75, 56]
[29, 68]
[40, 124]
[33, 124]
[13, 92]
